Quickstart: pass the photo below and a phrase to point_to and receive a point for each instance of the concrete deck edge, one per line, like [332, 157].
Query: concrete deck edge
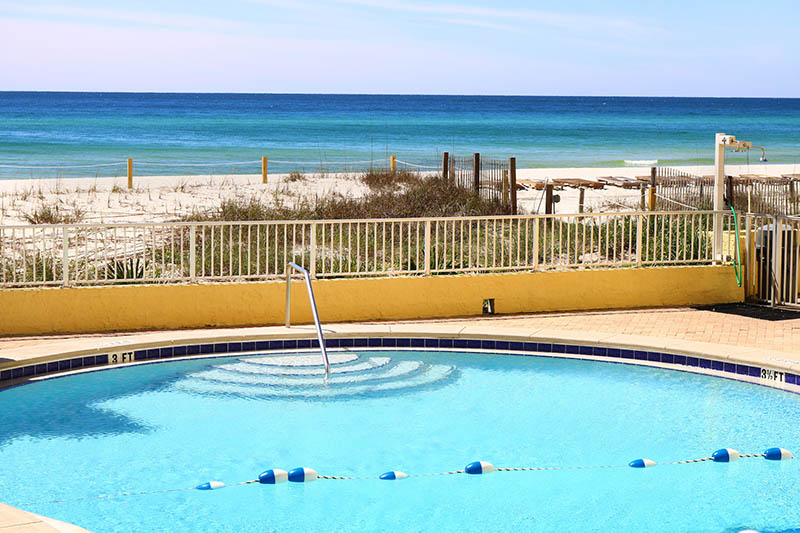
[771, 359]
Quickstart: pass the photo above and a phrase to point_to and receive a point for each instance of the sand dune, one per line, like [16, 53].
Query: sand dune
[168, 198]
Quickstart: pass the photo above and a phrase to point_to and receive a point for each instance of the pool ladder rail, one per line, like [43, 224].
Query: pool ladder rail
[289, 268]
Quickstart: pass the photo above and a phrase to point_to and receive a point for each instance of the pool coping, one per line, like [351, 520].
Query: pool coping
[13, 519]
[776, 369]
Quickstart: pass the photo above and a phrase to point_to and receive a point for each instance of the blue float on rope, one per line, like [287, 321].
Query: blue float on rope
[273, 477]
[302, 475]
[725, 455]
[777, 454]
[394, 474]
[210, 485]
[641, 463]
[479, 467]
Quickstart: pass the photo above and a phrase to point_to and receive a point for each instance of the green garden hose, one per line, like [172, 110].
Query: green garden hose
[737, 264]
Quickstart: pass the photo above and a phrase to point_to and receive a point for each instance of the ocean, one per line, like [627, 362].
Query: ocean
[319, 131]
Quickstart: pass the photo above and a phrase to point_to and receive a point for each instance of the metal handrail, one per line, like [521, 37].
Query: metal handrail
[313, 302]
[217, 223]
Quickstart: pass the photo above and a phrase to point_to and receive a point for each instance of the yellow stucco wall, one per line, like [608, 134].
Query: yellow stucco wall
[90, 309]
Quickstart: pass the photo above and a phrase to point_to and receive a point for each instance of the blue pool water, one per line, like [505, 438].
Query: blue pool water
[44, 128]
[178, 424]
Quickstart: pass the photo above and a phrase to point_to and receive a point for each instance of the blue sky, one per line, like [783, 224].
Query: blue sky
[671, 48]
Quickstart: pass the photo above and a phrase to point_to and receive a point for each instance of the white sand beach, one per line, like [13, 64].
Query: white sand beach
[168, 198]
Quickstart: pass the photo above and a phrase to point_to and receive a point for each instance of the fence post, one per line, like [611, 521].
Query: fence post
[512, 169]
[312, 268]
[264, 169]
[130, 173]
[506, 200]
[536, 243]
[548, 199]
[642, 201]
[65, 256]
[193, 252]
[652, 202]
[639, 240]
[452, 170]
[729, 190]
[747, 257]
[445, 164]
[581, 196]
[428, 247]
[476, 172]
[777, 260]
[392, 164]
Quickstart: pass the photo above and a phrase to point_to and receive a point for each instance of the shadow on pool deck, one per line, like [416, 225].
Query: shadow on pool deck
[759, 312]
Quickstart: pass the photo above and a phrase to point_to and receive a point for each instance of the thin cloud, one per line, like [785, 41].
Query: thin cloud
[480, 24]
[548, 18]
[172, 20]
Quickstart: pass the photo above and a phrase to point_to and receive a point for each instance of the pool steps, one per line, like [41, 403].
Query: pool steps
[391, 376]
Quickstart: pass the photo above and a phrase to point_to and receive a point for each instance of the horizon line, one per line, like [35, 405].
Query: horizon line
[54, 91]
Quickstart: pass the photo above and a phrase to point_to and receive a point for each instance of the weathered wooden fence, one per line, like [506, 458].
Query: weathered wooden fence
[678, 190]
[493, 179]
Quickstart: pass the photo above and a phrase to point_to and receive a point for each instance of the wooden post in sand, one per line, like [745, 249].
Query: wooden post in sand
[392, 164]
[130, 173]
[581, 196]
[445, 164]
[264, 169]
[652, 191]
[512, 170]
[452, 170]
[548, 199]
[506, 200]
[476, 172]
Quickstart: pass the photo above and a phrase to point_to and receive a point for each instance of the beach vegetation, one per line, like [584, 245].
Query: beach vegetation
[295, 176]
[429, 196]
[383, 179]
[53, 214]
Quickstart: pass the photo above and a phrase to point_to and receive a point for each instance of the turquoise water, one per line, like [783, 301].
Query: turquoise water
[181, 423]
[93, 128]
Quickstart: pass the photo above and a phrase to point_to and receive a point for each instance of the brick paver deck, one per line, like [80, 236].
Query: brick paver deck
[737, 325]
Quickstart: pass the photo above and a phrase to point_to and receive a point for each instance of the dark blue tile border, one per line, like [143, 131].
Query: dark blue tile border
[391, 342]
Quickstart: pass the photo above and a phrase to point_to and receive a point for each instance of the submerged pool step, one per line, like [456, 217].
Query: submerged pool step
[303, 359]
[357, 365]
[425, 376]
[377, 372]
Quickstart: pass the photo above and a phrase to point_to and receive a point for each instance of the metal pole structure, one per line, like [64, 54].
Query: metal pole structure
[313, 302]
[719, 195]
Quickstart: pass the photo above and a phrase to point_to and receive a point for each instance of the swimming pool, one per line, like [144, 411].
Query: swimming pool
[181, 423]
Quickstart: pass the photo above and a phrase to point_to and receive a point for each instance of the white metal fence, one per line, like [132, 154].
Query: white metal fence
[91, 254]
[773, 259]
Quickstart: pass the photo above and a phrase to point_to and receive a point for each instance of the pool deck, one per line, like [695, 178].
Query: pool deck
[16, 520]
[743, 332]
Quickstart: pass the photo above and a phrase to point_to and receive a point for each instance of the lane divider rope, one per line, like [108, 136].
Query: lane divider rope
[305, 475]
